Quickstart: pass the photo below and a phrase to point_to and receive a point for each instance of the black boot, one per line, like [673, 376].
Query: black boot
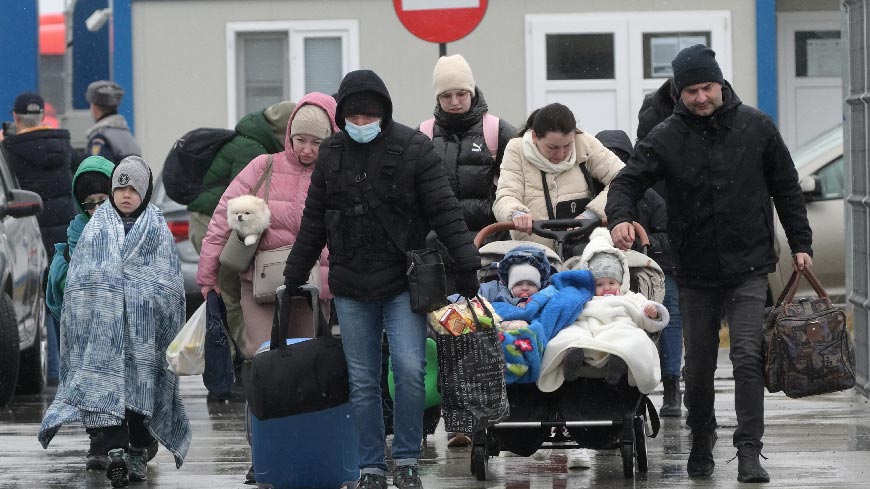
[673, 397]
[749, 468]
[97, 458]
[701, 461]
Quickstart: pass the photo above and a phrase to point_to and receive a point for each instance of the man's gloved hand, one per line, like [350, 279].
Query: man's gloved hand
[466, 283]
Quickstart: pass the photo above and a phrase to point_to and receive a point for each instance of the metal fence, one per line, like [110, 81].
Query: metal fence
[857, 141]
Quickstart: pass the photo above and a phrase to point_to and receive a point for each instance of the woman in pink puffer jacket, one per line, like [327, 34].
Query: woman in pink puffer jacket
[312, 121]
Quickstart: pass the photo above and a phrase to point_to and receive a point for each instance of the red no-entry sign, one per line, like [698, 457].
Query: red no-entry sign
[440, 21]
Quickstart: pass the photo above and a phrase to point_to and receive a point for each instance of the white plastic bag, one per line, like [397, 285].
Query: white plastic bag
[185, 354]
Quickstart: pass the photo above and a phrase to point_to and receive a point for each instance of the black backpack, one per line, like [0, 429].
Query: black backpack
[189, 160]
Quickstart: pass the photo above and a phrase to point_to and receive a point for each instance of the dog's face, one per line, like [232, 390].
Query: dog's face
[244, 208]
[248, 215]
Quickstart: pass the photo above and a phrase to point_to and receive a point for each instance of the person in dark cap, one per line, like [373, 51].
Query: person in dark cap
[43, 161]
[653, 216]
[723, 162]
[377, 188]
[110, 136]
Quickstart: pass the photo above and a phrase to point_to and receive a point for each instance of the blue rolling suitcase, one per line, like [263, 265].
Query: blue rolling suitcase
[313, 450]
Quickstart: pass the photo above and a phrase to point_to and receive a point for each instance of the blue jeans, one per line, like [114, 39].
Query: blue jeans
[671, 339]
[743, 307]
[362, 325]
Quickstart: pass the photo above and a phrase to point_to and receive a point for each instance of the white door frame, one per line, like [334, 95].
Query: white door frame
[787, 23]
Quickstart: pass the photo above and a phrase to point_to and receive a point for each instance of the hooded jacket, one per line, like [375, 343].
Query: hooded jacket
[520, 188]
[63, 251]
[459, 141]
[43, 162]
[255, 136]
[409, 182]
[288, 187]
[721, 173]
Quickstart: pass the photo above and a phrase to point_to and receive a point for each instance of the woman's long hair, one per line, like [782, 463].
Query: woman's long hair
[554, 117]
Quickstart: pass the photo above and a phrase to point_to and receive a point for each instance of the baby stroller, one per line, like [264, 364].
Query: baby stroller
[585, 413]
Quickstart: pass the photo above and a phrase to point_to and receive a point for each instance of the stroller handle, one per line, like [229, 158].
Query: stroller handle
[560, 223]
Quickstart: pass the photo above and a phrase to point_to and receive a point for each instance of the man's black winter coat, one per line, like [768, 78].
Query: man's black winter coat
[721, 173]
[43, 162]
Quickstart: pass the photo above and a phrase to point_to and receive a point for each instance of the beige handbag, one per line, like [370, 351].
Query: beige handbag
[236, 255]
[269, 273]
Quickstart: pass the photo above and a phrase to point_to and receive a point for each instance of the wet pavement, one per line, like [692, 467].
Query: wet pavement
[820, 442]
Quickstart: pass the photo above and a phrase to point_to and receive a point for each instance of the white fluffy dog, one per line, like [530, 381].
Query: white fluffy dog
[249, 216]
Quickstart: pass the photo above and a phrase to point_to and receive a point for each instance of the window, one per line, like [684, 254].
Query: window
[268, 62]
[818, 54]
[660, 48]
[262, 70]
[830, 179]
[580, 56]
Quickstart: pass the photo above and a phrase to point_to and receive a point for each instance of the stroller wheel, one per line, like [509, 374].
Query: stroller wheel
[479, 462]
[626, 449]
[640, 445]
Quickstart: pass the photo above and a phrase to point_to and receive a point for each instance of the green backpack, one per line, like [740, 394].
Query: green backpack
[433, 395]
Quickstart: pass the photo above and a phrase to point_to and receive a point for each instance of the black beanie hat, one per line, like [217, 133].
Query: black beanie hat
[696, 64]
[89, 183]
[362, 103]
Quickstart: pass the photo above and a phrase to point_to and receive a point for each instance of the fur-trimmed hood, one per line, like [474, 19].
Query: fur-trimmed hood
[600, 242]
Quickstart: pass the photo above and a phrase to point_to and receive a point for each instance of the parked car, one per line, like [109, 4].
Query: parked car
[820, 166]
[23, 265]
[178, 219]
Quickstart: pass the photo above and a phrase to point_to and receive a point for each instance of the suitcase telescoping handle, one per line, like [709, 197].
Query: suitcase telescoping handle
[281, 320]
[790, 290]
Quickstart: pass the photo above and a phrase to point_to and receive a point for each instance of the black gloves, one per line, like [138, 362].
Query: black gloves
[466, 283]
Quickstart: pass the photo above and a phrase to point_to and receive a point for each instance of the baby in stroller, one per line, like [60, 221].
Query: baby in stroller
[611, 333]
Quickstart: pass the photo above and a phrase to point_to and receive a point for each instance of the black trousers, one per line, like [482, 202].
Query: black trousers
[132, 432]
[703, 309]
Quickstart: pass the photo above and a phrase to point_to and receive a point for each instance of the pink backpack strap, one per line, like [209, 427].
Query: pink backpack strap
[427, 127]
[490, 133]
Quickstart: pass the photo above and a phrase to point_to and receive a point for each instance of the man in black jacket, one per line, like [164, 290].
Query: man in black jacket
[722, 162]
[43, 161]
[376, 190]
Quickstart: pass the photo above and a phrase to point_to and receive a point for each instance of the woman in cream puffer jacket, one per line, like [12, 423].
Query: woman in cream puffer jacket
[550, 144]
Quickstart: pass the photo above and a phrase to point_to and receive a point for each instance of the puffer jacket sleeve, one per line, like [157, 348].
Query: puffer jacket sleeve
[230, 160]
[642, 170]
[218, 229]
[603, 165]
[311, 239]
[440, 206]
[510, 194]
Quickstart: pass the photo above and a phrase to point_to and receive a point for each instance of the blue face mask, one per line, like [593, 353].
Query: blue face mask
[362, 134]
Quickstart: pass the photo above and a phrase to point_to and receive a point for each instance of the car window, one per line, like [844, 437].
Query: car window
[830, 178]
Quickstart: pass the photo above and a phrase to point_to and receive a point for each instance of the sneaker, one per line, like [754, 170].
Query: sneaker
[250, 479]
[96, 459]
[701, 463]
[407, 476]
[749, 468]
[118, 468]
[572, 362]
[372, 481]
[138, 464]
[458, 440]
[579, 459]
